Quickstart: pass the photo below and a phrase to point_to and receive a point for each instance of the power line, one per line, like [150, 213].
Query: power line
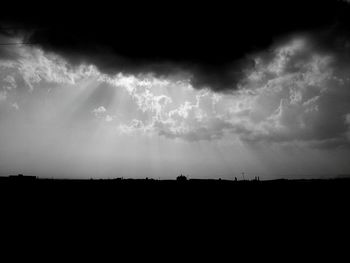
[14, 44]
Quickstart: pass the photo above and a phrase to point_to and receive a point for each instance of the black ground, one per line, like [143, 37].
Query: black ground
[206, 218]
[233, 194]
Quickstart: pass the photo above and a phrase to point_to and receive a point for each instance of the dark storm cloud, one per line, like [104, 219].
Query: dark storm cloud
[210, 42]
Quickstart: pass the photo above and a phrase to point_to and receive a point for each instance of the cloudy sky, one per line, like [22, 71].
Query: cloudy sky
[210, 92]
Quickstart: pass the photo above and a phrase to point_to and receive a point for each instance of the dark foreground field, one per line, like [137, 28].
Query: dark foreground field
[188, 202]
[176, 216]
[187, 193]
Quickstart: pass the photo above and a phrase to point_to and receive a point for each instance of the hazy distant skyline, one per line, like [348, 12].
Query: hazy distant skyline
[280, 111]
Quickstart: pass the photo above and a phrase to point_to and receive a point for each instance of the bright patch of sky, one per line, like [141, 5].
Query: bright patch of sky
[290, 114]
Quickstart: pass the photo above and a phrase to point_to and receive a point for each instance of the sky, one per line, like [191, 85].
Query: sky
[263, 92]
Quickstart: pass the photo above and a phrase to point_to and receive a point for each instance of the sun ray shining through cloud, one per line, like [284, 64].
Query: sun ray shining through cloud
[292, 103]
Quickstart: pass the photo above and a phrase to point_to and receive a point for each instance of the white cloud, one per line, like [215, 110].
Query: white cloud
[99, 110]
[10, 81]
[302, 101]
[289, 98]
[35, 66]
[109, 118]
[101, 113]
[293, 94]
[15, 106]
[132, 127]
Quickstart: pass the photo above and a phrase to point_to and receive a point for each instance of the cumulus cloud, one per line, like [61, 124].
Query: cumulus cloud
[108, 118]
[132, 127]
[295, 93]
[299, 96]
[10, 81]
[34, 65]
[15, 106]
[102, 113]
[99, 110]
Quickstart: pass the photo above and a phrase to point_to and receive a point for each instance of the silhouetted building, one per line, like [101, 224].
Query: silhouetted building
[181, 178]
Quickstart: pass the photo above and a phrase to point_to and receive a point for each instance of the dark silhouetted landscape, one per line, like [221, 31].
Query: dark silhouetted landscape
[180, 191]
[169, 124]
